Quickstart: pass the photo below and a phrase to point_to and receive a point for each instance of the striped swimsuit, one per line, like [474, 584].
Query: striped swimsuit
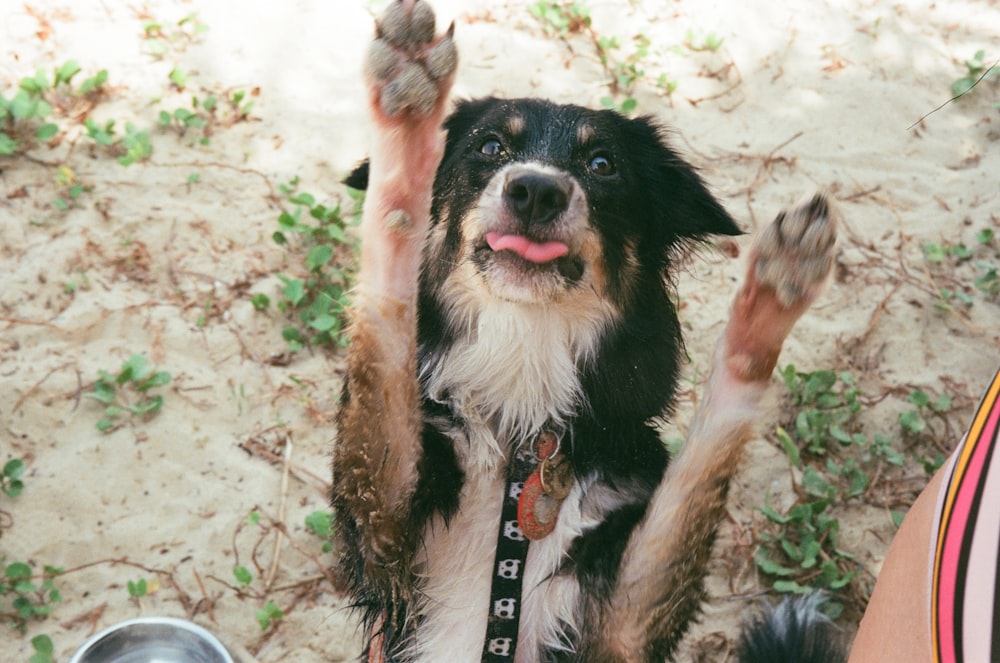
[965, 583]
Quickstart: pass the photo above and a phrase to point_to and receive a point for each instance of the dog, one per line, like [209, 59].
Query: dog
[500, 486]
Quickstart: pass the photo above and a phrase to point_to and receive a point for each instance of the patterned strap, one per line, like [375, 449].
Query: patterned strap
[508, 568]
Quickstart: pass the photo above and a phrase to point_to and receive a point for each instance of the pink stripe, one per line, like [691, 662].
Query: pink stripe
[955, 534]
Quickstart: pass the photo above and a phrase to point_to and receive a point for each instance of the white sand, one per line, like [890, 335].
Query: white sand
[812, 95]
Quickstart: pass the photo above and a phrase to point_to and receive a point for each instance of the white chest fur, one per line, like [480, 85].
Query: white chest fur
[457, 572]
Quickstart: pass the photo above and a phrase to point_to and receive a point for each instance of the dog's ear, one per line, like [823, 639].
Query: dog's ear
[682, 202]
[695, 211]
[358, 179]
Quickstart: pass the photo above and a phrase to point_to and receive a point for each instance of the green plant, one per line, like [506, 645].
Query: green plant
[162, 37]
[42, 644]
[30, 599]
[242, 575]
[268, 614]
[22, 117]
[315, 298]
[834, 461]
[914, 422]
[709, 42]
[129, 392]
[10, 478]
[207, 113]
[320, 523]
[984, 276]
[801, 553]
[826, 402]
[70, 189]
[137, 589]
[561, 18]
[977, 71]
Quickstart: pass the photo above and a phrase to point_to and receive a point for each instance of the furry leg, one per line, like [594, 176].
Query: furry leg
[409, 73]
[659, 588]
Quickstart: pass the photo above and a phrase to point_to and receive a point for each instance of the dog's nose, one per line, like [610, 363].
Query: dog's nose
[537, 198]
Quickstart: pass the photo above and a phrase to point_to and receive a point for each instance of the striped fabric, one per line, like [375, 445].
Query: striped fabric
[965, 601]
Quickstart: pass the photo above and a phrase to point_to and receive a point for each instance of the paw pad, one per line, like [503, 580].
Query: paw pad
[406, 66]
[794, 254]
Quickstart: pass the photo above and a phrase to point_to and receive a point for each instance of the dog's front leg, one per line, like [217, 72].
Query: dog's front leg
[409, 72]
[659, 588]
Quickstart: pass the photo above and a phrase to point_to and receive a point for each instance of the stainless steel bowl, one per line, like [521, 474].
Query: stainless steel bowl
[153, 639]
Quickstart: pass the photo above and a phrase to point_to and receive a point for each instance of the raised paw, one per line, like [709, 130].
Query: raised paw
[407, 67]
[794, 254]
[790, 262]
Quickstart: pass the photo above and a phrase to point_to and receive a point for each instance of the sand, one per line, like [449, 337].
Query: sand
[161, 258]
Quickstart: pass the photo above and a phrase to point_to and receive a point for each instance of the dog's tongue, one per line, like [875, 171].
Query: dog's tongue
[524, 247]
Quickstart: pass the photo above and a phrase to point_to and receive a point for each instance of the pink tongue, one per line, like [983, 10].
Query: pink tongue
[525, 248]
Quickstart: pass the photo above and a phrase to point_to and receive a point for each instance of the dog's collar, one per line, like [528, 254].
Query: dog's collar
[539, 478]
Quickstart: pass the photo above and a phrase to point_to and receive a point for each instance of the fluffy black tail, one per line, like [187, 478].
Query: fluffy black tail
[793, 632]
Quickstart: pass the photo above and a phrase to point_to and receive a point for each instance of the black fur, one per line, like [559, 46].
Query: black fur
[793, 632]
[654, 203]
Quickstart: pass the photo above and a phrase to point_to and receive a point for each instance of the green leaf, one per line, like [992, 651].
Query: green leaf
[319, 256]
[14, 468]
[790, 587]
[790, 448]
[158, 379]
[42, 644]
[912, 422]
[769, 566]
[963, 85]
[319, 522]
[295, 291]
[94, 82]
[260, 301]
[154, 404]
[178, 77]
[304, 199]
[137, 589]
[919, 398]
[66, 72]
[46, 132]
[269, 612]
[104, 391]
[324, 323]
[243, 575]
[7, 144]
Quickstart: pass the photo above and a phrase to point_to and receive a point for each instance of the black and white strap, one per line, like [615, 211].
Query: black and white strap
[508, 568]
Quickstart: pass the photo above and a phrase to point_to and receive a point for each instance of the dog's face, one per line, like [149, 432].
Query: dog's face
[538, 203]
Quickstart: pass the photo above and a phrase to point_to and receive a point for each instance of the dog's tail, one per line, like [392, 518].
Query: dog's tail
[795, 631]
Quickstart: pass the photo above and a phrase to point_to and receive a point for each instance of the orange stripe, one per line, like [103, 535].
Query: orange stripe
[954, 483]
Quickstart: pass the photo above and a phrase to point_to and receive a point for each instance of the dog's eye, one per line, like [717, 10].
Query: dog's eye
[491, 148]
[602, 165]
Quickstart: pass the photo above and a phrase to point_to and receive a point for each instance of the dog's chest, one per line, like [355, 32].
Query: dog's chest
[456, 573]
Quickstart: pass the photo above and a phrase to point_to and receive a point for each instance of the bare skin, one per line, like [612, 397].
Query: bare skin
[896, 625]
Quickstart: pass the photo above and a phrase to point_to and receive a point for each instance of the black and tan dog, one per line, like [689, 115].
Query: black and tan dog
[501, 489]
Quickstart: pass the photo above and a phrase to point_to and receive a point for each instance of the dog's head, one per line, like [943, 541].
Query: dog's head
[535, 201]
[560, 223]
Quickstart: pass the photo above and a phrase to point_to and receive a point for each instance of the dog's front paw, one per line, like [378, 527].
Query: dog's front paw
[790, 263]
[794, 254]
[408, 69]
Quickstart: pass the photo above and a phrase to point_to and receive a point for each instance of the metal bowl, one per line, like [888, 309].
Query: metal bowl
[153, 639]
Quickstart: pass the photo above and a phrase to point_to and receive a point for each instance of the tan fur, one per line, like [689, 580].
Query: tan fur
[375, 460]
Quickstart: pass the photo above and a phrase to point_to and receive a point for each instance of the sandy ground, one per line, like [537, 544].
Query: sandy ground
[826, 95]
